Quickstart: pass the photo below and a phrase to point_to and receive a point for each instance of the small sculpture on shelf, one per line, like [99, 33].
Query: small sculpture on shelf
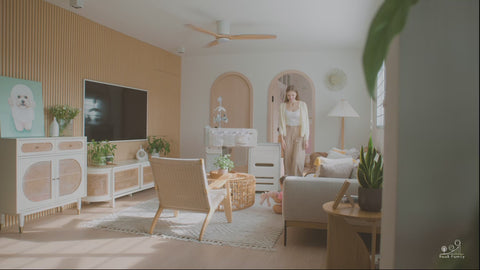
[220, 114]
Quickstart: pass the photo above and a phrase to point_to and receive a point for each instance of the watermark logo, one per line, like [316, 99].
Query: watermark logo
[452, 251]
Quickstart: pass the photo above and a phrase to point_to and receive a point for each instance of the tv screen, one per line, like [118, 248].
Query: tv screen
[114, 112]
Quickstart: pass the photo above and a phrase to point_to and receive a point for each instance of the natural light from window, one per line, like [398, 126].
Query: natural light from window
[380, 89]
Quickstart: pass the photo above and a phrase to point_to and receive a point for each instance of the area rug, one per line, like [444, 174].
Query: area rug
[254, 227]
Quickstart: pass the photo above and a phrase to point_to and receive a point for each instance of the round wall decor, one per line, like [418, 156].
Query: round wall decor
[335, 79]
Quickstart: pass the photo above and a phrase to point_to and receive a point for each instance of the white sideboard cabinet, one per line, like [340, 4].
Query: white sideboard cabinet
[38, 174]
[107, 182]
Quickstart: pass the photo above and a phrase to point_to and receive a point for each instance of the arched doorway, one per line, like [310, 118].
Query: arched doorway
[236, 93]
[276, 95]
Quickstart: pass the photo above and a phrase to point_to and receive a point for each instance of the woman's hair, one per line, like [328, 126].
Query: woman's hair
[289, 89]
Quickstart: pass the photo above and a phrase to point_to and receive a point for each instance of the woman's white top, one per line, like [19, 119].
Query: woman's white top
[293, 118]
[304, 126]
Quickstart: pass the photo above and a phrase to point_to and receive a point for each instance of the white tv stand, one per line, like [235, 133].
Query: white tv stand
[108, 182]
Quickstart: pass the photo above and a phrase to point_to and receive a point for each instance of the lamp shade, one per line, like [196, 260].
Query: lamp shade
[343, 109]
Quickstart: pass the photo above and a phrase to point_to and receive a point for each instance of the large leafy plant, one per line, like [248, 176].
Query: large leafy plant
[370, 169]
[387, 23]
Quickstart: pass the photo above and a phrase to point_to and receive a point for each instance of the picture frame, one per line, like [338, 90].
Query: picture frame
[21, 108]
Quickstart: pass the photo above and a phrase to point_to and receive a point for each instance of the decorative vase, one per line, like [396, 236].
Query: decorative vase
[155, 154]
[54, 128]
[370, 199]
[65, 128]
[222, 171]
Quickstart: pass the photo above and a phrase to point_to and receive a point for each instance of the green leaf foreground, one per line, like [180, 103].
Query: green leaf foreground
[387, 23]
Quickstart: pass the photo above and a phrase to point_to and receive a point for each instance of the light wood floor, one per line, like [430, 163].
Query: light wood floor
[57, 241]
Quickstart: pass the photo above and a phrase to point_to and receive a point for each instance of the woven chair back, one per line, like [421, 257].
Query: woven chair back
[181, 183]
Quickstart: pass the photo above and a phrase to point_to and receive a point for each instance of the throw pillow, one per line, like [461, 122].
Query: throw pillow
[338, 153]
[337, 168]
[334, 154]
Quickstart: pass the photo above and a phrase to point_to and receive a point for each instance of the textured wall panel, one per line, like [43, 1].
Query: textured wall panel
[42, 42]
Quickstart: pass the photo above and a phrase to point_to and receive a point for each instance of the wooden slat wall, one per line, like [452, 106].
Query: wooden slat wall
[45, 43]
[42, 42]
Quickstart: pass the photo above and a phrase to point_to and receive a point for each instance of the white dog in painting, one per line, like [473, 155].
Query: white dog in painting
[22, 103]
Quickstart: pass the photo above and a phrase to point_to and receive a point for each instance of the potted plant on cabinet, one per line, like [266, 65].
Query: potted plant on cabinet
[224, 163]
[63, 114]
[101, 153]
[370, 177]
[156, 146]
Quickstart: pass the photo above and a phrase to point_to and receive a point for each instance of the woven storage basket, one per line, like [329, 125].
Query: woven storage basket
[242, 187]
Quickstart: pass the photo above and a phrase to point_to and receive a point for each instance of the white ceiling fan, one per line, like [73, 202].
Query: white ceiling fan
[223, 34]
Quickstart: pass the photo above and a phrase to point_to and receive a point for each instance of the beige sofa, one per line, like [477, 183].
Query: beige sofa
[303, 198]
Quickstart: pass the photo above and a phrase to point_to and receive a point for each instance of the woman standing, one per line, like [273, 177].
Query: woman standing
[294, 131]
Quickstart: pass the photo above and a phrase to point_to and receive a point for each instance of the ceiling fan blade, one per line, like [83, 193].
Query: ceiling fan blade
[247, 36]
[211, 44]
[196, 28]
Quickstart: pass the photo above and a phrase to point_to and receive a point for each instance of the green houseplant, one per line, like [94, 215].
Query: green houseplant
[63, 114]
[370, 177]
[159, 145]
[224, 163]
[101, 153]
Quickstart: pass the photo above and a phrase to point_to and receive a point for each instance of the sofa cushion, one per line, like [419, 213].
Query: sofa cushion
[337, 168]
[356, 162]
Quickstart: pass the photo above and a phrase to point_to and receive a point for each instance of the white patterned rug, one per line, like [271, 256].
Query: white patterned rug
[254, 227]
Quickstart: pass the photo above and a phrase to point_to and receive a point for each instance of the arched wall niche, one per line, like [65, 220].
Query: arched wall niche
[276, 95]
[237, 98]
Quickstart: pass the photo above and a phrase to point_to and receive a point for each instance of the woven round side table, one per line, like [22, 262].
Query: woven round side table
[242, 187]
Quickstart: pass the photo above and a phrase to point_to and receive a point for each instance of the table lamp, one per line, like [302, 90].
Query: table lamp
[343, 109]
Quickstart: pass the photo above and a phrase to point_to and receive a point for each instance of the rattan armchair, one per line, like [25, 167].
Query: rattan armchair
[182, 185]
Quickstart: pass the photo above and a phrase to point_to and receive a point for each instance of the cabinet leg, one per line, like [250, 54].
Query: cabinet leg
[21, 221]
[113, 203]
[79, 206]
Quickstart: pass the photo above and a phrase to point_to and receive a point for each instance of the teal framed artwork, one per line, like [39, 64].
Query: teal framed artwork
[21, 108]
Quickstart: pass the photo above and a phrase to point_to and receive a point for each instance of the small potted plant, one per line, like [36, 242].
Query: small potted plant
[109, 150]
[63, 114]
[101, 153]
[370, 177]
[224, 163]
[156, 146]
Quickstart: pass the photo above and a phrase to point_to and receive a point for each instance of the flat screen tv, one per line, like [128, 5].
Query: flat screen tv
[114, 112]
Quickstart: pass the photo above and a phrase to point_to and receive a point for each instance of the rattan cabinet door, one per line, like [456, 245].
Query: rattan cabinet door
[37, 181]
[70, 176]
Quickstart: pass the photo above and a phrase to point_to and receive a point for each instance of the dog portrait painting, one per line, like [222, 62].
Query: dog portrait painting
[21, 113]
[22, 103]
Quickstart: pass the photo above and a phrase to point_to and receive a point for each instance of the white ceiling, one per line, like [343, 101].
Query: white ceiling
[300, 25]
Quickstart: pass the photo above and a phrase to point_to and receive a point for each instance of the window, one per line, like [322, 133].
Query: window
[380, 89]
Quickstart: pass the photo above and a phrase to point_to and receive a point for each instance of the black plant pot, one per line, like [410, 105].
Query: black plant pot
[370, 199]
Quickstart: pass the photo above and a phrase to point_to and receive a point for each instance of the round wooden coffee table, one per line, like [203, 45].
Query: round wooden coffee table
[242, 188]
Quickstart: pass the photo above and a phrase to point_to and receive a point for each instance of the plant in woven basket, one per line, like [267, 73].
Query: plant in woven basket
[224, 162]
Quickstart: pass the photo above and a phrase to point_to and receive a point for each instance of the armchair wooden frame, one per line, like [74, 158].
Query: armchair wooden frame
[182, 185]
